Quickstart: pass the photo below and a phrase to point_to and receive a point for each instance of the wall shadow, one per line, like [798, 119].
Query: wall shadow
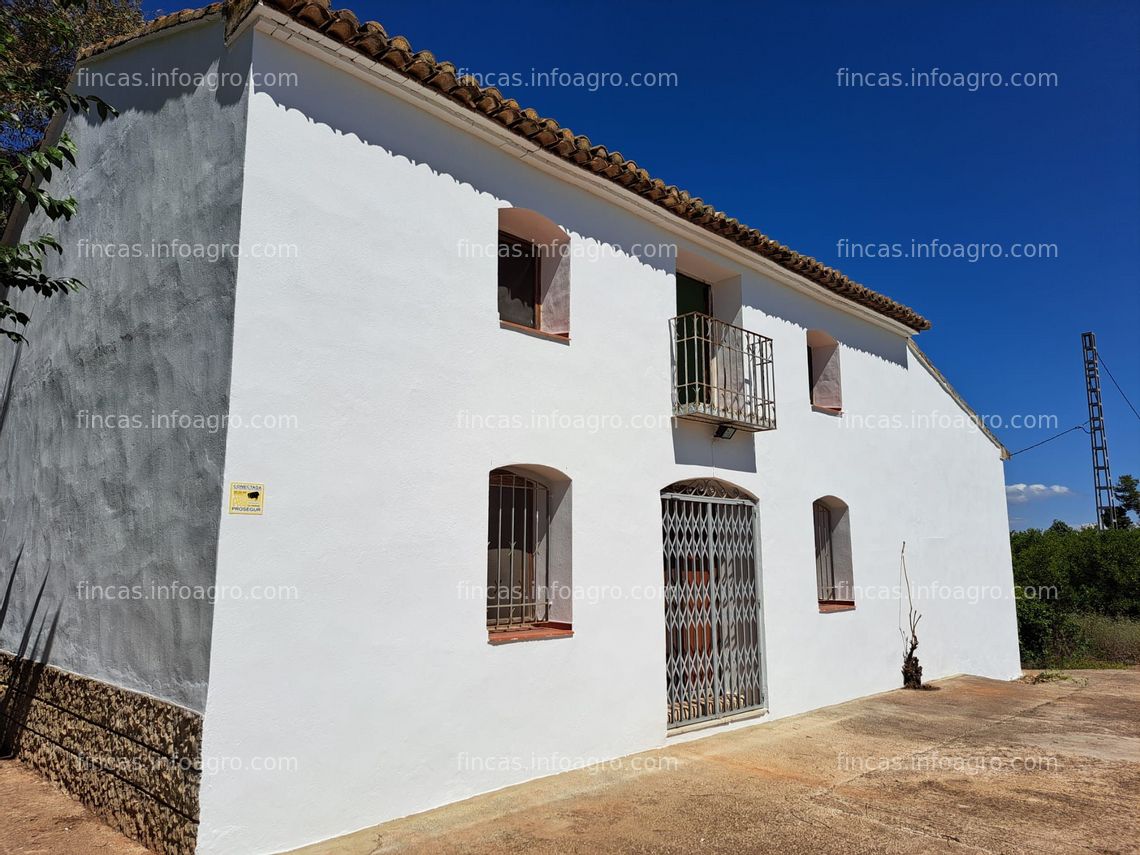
[694, 445]
[9, 385]
[347, 107]
[790, 306]
[27, 666]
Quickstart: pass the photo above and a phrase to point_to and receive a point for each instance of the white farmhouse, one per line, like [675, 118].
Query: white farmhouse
[485, 448]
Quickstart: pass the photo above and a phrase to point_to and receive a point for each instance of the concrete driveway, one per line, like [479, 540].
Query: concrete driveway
[977, 766]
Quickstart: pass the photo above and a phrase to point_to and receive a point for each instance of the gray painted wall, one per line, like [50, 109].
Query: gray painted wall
[92, 504]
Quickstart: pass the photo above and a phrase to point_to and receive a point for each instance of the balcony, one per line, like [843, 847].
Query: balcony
[722, 374]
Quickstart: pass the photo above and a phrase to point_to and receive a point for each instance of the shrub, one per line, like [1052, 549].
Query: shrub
[1110, 639]
[1088, 586]
[1048, 634]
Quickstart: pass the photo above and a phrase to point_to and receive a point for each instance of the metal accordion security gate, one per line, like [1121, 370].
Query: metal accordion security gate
[712, 602]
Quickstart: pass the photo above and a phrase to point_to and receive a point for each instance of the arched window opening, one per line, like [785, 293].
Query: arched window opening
[833, 570]
[534, 272]
[824, 385]
[516, 550]
[709, 487]
[528, 553]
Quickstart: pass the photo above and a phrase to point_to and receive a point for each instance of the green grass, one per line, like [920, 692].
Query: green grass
[1084, 663]
[1110, 640]
[1085, 641]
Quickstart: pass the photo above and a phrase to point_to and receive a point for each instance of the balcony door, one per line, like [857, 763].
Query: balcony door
[693, 352]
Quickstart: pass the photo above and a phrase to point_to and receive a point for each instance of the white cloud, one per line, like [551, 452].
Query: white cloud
[1019, 494]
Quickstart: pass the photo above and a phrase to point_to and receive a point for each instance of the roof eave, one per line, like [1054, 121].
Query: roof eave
[369, 45]
[958, 399]
[275, 23]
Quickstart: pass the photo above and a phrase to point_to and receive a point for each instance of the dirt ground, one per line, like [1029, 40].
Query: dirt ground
[37, 818]
[980, 766]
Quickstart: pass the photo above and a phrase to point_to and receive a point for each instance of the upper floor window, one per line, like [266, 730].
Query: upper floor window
[528, 554]
[534, 273]
[824, 383]
[834, 576]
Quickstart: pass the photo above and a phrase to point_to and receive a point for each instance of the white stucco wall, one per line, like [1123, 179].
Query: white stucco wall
[382, 339]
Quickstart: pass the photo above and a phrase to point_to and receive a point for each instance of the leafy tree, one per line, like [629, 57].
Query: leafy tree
[47, 36]
[39, 40]
[1115, 517]
[1063, 573]
[1127, 493]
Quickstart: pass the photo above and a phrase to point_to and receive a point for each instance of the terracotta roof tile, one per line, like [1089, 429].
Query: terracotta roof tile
[371, 40]
[158, 24]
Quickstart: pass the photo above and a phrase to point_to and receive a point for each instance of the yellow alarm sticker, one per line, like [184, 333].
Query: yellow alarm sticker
[246, 498]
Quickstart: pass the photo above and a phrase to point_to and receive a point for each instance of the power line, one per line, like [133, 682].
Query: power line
[1117, 385]
[1050, 439]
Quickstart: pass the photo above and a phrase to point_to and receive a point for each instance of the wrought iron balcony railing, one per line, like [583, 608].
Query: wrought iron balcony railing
[722, 373]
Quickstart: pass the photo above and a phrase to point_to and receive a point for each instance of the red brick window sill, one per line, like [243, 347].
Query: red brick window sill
[538, 632]
[562, 338]
[835, 606]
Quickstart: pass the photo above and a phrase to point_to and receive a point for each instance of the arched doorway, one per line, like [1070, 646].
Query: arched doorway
[712, 601]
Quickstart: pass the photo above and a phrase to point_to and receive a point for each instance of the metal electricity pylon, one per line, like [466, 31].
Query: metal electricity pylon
[1102, 475]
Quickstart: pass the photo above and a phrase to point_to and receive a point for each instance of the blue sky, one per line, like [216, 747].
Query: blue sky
[759, 125]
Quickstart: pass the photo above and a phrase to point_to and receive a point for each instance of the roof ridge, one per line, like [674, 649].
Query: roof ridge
[372, 40]
[153, 26]
[942, 380]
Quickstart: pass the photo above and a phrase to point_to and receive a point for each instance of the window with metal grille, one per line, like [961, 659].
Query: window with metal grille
[517, 554]
[833, 571]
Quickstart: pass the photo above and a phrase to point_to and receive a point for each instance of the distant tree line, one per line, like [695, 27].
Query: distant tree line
[1087, 608]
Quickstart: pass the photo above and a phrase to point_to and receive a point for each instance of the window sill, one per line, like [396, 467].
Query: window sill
[827, 411]
[826, 607]
[539, 632]
[561, 338]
